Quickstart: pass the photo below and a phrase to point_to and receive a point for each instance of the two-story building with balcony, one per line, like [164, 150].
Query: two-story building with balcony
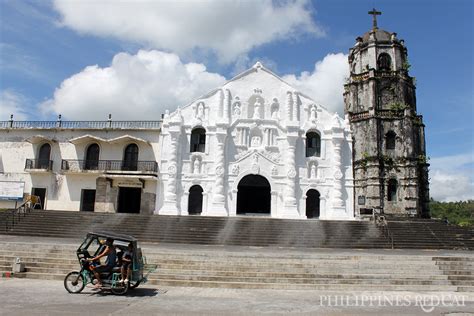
[101, 166]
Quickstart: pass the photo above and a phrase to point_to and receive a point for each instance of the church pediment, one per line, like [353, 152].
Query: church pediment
[256, 95]
[255, 154]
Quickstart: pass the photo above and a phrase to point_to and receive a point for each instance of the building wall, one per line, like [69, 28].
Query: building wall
[64, 188]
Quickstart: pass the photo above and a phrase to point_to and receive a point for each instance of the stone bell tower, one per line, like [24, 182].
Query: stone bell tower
[389, 154]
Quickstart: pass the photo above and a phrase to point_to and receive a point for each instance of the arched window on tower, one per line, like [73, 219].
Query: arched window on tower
[392, 190]
[390, 138]
[198, 140]
[384, 62]
[313, 144]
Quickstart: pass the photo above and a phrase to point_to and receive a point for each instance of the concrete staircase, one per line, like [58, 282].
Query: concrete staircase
[241, 231]
[248, 231]
[269, 268]
[433, 234]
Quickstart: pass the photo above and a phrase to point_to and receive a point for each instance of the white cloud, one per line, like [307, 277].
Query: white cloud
[452, 178]
[12, 102]
[140, 86]
[325, 84]
[227, 28]
[152, 81]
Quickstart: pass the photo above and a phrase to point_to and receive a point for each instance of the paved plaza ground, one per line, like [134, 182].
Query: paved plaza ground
[40, 297]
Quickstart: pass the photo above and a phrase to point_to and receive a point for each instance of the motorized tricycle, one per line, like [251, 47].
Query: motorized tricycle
[94, 242]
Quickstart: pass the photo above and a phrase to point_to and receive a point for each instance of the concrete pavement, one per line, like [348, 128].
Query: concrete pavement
[40, 297]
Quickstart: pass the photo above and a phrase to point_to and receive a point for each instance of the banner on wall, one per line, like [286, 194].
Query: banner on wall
[12, 190]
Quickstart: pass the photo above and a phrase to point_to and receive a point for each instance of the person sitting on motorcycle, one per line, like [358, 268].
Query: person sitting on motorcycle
[109, 251]
[126, 263]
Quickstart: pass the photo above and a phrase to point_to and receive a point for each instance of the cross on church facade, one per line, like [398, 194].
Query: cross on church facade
[374, 13]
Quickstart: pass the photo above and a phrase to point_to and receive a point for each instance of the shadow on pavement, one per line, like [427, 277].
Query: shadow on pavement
[139, 292]
[143, 292]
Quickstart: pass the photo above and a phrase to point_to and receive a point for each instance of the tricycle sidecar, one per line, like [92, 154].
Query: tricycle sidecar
[94, 244]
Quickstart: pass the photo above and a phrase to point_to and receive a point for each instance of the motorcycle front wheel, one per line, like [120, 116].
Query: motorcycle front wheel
[74, 282]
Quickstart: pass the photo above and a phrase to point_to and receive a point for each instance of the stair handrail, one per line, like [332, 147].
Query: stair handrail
[381, 221]
[13, 216]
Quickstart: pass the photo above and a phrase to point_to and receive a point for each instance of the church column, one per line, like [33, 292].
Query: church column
[268, 137]
[338, 204]
[219, 198]
[170, 201]
[221, 104]
[246, 140]
[290, 207]
[289, 106]
[295, 107]
[227, 102]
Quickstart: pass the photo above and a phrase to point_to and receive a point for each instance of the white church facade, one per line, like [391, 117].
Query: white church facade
[256, 146]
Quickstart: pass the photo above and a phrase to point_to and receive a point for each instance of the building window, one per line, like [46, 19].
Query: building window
[130, 158]
[392, 190]
[390, 138]
[92, 157]
[384, 62]
[198, 140]
[313, 144]
[44, 156]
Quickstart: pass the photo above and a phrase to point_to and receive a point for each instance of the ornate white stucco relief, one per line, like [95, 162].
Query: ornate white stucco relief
[256, 125]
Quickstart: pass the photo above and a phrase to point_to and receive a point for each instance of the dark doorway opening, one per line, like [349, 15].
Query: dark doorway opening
[312, 204]
[195, 200]
[87, 200]
[253, 196]
[41, 192]
[129, 200]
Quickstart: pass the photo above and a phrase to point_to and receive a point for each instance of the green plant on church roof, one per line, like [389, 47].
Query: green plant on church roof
[423, 159]
[398, 106]
[417, 120]
[406, 65]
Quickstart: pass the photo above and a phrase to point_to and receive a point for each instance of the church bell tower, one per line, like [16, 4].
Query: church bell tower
[389, 154]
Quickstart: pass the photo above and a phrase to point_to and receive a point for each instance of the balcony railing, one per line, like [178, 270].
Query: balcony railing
[108, 165]
[41, 164]
[81, 124]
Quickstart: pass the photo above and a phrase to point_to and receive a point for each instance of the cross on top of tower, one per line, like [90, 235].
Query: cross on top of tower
[374, 14]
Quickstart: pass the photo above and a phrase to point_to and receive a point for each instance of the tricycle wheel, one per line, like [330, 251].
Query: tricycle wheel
[134, 285]
[119, 288]
[74, 282]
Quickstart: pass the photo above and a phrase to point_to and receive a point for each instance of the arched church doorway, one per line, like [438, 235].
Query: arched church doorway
[312, 203]
[195, 200]
[253, 196]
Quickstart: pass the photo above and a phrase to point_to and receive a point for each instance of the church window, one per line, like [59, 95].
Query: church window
[130, 158]
[92, 157]
[390, 138]
[43, 156]
[384, 62]
[313, 144]
[198, 140]
[392, 190]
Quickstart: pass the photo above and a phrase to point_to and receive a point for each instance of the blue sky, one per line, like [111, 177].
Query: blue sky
[85, 61]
